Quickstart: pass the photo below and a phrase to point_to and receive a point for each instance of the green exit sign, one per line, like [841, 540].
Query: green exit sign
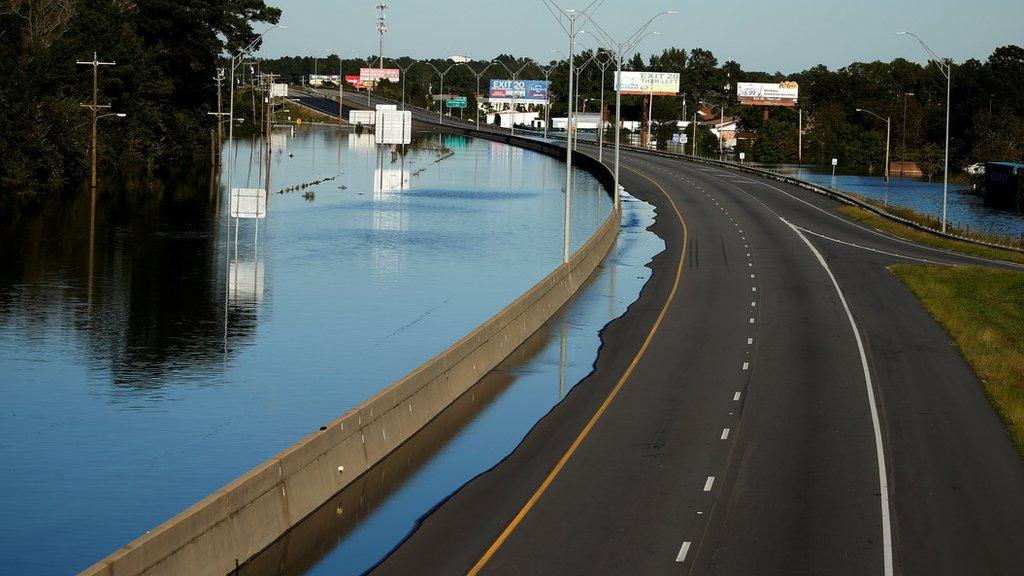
[459, 102]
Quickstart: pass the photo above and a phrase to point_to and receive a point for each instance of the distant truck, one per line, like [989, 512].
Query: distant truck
[1004, 185]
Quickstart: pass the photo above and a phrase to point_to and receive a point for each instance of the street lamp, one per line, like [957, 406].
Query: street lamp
[547, 103]
[619, 49]
[476, 97]
[440, 107]
[573, 20]
[405, 72]
[947, 71]
[888, 133]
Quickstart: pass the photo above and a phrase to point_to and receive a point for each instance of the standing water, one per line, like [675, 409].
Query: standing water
[148, 357]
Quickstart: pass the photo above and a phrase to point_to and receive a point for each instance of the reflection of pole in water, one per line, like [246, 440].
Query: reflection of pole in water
[562, 357]
[92, 249]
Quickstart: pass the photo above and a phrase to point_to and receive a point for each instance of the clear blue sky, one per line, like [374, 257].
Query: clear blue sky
[768, 35]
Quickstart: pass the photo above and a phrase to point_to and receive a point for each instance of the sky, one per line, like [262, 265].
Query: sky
[766, 35]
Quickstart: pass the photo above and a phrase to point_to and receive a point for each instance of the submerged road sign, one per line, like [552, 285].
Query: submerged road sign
[248, 203]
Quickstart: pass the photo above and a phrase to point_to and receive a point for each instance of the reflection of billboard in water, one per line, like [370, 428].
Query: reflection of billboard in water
[390, 179]
[761, 94]
[245, 283]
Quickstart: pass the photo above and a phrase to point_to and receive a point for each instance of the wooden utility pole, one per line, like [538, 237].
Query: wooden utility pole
[95, 106]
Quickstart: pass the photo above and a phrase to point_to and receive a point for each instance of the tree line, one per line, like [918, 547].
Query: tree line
[987, 113]
[167, 54]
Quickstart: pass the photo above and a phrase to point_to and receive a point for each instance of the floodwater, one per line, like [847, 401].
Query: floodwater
[963, 209]
[151, 350]
[359, 526]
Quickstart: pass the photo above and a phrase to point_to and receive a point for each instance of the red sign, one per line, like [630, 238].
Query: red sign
[355, 81]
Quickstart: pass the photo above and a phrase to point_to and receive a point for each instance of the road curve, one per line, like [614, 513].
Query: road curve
[776, 402]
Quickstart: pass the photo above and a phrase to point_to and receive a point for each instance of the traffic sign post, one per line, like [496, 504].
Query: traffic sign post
[456, 102]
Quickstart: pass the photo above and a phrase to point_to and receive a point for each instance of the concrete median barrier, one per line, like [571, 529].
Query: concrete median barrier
[238, 521]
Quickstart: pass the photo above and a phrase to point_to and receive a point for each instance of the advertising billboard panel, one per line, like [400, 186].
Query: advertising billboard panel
[524, 91]
[761, 94]
[379, 74]
[319, 79]
[656, 83]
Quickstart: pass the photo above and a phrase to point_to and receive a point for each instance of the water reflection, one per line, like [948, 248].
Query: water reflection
[177, 358]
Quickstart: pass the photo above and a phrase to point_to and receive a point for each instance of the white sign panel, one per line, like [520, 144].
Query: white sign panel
[248, 203]
[761, 94]
[278, 90]
[378, 74]
[393, 127]
[655, 83]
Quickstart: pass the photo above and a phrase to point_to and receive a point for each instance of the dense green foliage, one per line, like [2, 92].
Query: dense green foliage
[829, 98]
[167, 53]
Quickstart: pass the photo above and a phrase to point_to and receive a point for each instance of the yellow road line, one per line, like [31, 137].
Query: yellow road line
[496, 545]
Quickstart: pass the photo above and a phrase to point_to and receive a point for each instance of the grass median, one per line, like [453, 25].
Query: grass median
[982, 309]
[921, 237]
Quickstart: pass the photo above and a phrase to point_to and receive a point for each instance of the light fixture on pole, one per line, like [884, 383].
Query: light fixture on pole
[571, 21]
[946, 68]
[546, 71]
[888, 133]
[382, 27]
[618, 50]
[405, 72]
[440, 95]
[95, 107]
[476, 97]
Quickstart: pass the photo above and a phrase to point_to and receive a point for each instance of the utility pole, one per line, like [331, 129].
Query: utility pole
[95, 107]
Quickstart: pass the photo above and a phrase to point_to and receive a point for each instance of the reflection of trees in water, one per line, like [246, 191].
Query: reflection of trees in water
[149, 301]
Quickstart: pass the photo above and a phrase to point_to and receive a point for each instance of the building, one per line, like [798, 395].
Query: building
[1004, 185]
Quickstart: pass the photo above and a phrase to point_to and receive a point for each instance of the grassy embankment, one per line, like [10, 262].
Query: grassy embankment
[921, 237]
[983, 311]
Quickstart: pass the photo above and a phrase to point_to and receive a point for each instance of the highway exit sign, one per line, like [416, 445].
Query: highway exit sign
[457, 102]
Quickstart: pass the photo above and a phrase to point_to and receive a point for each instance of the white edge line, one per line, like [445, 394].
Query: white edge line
[883, 481]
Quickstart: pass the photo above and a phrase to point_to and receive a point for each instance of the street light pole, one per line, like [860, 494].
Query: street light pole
[476, 97]
[515, 76]
[95, 107]
[382, 27]
[888, 133]
[619, 50]
[441, 100]
[903, 133]
[947, 70]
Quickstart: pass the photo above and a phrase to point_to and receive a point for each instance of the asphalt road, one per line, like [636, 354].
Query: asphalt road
[776, 402]
[743, 440]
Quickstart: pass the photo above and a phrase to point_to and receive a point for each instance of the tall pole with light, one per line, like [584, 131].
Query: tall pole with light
[95, 107]
[441, 99]
[571, 21]
[619, 50]
[476, 97]
[547, 102]
[382, 27]
[947, 70]
[405, 72]
[888, 134]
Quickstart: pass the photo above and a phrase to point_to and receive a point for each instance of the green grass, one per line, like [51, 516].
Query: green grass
[982, 309]
[921, 237]
[933, 222]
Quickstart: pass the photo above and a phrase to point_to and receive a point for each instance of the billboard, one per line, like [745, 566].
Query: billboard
[378, 74]
[654, 83]
[319, 79]
[760, 94]
[525, 91]
[355, 82]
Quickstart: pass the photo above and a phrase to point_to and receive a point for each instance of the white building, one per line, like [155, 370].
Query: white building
[507, 117]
